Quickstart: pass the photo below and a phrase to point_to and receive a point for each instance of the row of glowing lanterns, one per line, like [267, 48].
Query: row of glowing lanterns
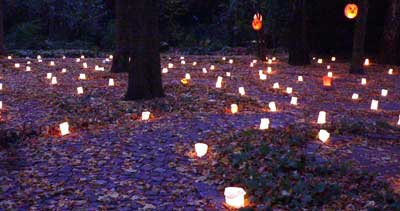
[64, 70]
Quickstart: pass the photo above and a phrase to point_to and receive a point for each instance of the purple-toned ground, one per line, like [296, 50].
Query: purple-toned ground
[114, 161]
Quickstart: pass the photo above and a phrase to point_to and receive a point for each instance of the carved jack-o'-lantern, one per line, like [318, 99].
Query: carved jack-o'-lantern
[257, 22]
[351, 11]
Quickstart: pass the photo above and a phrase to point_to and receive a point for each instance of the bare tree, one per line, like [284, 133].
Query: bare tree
[2, 47]
[298, 44]
[359, 39]
[389, 48]
[121, 54]
[145, 70]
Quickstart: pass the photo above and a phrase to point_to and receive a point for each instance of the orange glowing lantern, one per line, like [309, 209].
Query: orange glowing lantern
[257, 22]
[351, 11]
[327, 81]
[184, 81]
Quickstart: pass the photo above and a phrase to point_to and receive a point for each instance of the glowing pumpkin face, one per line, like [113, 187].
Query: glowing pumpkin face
[257, 22]
[351, 11]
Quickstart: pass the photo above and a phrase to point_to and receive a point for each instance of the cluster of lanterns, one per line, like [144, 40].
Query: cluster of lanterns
[234, 196]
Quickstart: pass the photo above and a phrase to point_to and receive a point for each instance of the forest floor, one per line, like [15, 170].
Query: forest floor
[112, 160]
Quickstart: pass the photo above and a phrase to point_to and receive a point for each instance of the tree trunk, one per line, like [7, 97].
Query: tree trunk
[2, 47]
[389, 48]
[145, 70]
[359, 39]
[121, 54]
[298, 44]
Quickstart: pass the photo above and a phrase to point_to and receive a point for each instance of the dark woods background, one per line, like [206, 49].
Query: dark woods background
[198, 26]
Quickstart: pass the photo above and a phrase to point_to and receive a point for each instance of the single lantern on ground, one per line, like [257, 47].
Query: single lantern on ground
[145, 115]
[234, 197]
[390, 71]
[40, 61]
[9, 57]
[52, 63]
[252, 64]
[184, 81]
[328, 67]
[49, 75]
[1, 104]
[85, 65]
[276, 85]
[272, 107]
[212, 67]
[321, 118]
[330, 74]
[300, 78]
[398, 123]
[263, 76]
[28, 69]
[164, 70]
[1, 86]
[79, 90]
[355, 96]
[111, 57]
[17, 65]
[230, 61]
[269, 70]
[327, 81]
[384, 92]
[201, 149]
[64, 128]
[170, 66]
[79, 60]
[82, 76]
[234, 108]
[228, 74]
[366, 62]
[320, 61]
[269, 61]
[219, 82]
[274, 58]
[264, 124]
[53, 80]
[363, 81]
[28, 62]
[182, 58]
[204, 70]
[39, 57]
[83, 57]
[194, 63]
[289, 90]
[374, 105]
[242, 91]
[64, 70]
[333, 59]
[183, 62]
[293, 101]
[323, 135]
[111, 82]
[64, 57]
[187, 76]
[98, 68]
[223, 58]
[254, 61]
